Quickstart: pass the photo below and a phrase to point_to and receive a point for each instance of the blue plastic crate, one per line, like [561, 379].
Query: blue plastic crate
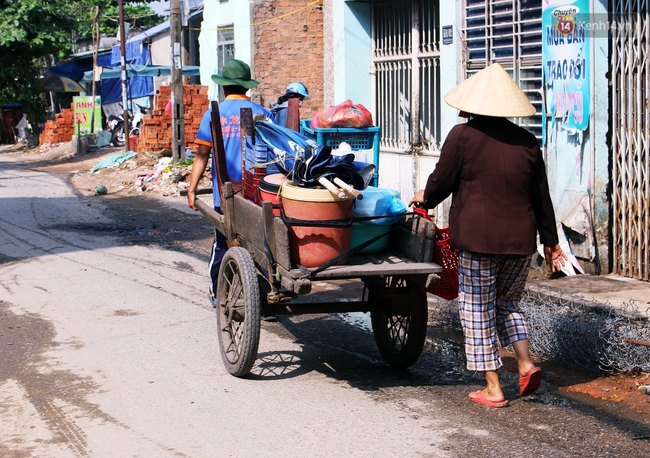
[358, 139]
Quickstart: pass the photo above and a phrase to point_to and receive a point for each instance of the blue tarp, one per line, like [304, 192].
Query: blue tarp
[137, 55]
[115, 159]
[149, 70]
[81, 70]
[75, 69]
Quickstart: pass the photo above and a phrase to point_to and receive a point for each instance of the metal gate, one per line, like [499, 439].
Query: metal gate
[630, 44]
[406, 61]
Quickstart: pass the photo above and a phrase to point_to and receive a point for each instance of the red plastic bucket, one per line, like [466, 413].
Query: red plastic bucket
[133, 140]
[313, 246]
[250, 183]
[270, 189]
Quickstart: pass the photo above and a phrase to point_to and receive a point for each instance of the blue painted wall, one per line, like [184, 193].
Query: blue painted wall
[352, 52]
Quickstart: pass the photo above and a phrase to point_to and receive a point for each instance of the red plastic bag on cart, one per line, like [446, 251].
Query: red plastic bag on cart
[346, 114]
[446, 257]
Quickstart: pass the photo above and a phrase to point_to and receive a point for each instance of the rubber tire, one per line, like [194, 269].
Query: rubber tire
[117, 138]
[237, 290]
[400, 338]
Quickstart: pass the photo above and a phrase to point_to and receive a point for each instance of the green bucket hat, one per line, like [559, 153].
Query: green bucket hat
[235, 73]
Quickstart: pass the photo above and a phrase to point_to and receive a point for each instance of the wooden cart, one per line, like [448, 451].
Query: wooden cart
[257, 277]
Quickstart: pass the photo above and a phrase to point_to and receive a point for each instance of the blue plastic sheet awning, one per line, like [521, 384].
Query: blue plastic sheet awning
[133, 71]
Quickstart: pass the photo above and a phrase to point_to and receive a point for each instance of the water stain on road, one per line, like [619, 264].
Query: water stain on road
[38, 403]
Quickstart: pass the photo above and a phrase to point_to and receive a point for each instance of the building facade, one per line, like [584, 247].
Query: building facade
[583, 64]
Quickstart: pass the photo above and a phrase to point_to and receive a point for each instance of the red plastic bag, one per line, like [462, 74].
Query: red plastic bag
[346, 114]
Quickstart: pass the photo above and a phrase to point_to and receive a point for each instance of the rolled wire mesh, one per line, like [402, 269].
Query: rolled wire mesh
[573, 332]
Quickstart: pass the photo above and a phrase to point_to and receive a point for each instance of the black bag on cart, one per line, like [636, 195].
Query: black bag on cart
[307, 161]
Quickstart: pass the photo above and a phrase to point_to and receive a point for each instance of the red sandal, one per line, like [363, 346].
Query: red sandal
[480, 398]
[530, 382]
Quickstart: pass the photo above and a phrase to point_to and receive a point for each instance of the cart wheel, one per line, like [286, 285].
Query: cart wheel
[400, 338]
[238, 313]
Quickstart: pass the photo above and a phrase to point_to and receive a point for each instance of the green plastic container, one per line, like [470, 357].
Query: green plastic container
[362, 232]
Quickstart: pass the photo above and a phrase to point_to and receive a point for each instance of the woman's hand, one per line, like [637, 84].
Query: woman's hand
[555, 257]
[418, 198]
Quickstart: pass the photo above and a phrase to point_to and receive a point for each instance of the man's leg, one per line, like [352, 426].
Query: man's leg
[219, 248]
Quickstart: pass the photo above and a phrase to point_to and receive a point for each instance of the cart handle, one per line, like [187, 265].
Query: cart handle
[220, 153]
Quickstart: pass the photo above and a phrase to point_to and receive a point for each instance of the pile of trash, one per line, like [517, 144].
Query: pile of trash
[136, 173]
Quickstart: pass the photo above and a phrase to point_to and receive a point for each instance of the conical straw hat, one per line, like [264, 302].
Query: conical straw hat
[491, 92]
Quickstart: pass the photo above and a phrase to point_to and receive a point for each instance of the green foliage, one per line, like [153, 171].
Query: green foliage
[139, 16]
[185, 162]
[34, 34]
[137, 13]
[29, 31]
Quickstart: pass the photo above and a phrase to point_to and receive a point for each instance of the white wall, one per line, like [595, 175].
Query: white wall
[217, 14]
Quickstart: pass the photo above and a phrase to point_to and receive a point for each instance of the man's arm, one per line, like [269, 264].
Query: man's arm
[201, 158]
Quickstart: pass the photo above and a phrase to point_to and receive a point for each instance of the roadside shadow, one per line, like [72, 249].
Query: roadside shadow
[61, 155]
[349, 354]
[39, 226]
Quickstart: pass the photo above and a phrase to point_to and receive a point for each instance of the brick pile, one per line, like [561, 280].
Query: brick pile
[58, 130]
[156, 128]
[288, 47]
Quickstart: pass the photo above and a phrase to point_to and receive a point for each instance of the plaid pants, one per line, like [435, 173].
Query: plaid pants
[490, 287]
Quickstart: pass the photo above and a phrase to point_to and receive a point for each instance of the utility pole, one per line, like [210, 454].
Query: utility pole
[125, 113]
[178, 115]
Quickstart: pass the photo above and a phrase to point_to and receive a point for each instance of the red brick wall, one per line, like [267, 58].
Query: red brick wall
[156, 128]
[58, 130]
[287, 50]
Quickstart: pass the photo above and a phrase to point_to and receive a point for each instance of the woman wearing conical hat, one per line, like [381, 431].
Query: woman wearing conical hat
[496, 175]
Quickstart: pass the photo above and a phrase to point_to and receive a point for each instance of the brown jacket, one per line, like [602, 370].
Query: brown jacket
[497, 176]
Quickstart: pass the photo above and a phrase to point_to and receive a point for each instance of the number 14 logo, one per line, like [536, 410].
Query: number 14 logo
[565, 25]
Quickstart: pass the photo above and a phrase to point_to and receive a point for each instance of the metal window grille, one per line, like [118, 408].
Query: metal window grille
[630, 137]
[225, 49]
[406, 59]
[508, 32]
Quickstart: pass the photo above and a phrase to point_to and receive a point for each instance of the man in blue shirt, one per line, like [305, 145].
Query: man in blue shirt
[236, 81]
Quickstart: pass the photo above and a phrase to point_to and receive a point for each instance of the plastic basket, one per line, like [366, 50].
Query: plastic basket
[447, 258]
[358, 139]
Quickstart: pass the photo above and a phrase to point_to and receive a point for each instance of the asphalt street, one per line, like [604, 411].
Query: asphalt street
[108, 347]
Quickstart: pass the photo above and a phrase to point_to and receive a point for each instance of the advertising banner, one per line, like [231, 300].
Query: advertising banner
[566, 33]
[83, 108]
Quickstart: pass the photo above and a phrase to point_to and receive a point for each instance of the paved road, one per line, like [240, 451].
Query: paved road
[108, 348]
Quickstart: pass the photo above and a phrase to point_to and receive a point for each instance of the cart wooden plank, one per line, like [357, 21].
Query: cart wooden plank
[413, 238]
[378, 264]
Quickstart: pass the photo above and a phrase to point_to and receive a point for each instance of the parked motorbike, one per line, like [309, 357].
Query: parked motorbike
[115, 125]
[136, 120]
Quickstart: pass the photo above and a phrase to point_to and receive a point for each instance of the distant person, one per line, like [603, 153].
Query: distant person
[236, 81]
[294, 91]
[496, 175]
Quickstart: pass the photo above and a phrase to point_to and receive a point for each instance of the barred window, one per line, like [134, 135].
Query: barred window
[406, 60]
[508, 32]
[225, 49]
